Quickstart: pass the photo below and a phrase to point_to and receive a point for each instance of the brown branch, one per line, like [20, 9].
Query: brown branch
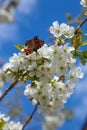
[30, 117]
[8, 89]
[78, 27]
[84, 125]
[81, 24]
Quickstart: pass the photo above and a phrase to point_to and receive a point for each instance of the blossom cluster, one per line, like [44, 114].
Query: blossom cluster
[56, 85]
[83, 3]
[61, 30]
[51, 71]
[5, 124]
[53, 120]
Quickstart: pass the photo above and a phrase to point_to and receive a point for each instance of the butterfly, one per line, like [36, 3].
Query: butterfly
[33, 45]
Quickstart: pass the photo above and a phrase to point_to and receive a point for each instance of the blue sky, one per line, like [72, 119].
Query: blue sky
[33, 17]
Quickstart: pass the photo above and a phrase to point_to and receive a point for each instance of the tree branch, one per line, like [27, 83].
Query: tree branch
[78, 27]
[84, 125]
[81, 24]
[30, 117]
[8, 89]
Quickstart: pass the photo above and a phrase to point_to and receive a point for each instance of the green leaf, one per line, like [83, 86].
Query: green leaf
[2, 124]
[84, 43]
[69, 115]
[85, 54]
[19, 47]
[75, 53]
[83, 57]
[77, 39]
[83, 60]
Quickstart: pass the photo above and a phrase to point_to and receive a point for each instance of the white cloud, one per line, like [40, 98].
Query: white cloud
[27, 6]
[10, 31]
[7, 31]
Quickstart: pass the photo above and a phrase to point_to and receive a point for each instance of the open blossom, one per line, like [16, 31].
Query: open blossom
[13, 126]
[9, 125]
[3, 117]
[62, 29]
[55, 29]
[75, 73]
[83, 3]
[66, 30]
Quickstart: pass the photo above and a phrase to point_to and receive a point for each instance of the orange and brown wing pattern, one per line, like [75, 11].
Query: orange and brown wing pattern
[33, 45]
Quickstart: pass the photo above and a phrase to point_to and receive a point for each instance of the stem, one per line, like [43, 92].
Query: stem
[8, 89]
[81, 24]
[78, 19]
[78, 27]
[30, 117]
[84, 125]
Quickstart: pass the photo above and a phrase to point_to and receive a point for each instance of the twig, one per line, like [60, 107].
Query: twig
[8, 89]
[78, 19]
[81, 24]
[30, 117]
[78, 27]
[84, 125]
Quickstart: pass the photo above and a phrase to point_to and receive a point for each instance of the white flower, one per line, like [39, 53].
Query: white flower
[55, 29]
[67, 31]
[2, 116]
[62, 29]
[6, 66]
[30, 90]
[7, 73]
[34, 102]
[62, 59]
[83, 3]
[75, 74]
[16, 62]
[10, 125]
[13, 126]
[45, 51]
[53, 120]
[36, 64]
